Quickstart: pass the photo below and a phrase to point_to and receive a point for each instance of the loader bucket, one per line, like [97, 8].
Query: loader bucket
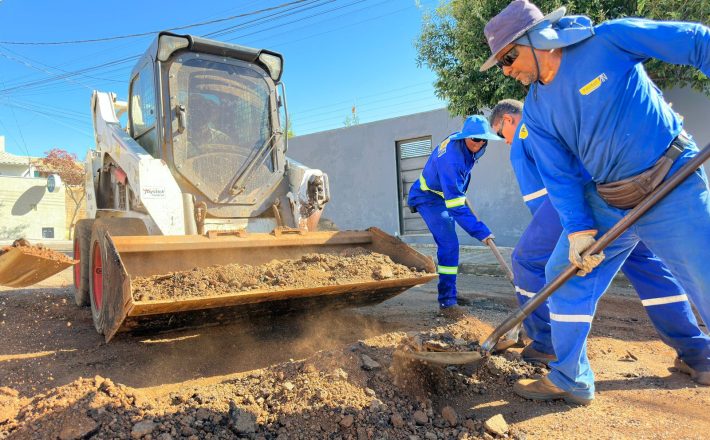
[126, 257]
[24, 266]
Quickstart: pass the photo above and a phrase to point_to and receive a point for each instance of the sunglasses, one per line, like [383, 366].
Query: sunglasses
[509, 57]
[485, 141]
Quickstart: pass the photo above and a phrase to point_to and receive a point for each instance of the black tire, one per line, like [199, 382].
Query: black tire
[100, 289]
[82, 238]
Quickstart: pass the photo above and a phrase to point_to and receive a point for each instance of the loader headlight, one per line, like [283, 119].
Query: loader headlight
[169, 44]
[273, 63]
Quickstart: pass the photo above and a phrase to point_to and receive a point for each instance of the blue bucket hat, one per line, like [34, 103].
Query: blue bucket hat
[477, 127]
[512, 23]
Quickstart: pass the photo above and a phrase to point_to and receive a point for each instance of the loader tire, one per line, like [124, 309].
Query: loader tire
[82, 238]
[103, 292]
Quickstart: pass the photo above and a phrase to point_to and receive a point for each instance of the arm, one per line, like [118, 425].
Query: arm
[529, 181]
[452, 184]
[564, 180]
[669, 41]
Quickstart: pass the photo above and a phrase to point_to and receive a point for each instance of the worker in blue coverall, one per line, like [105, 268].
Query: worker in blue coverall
[664, 300]
[590, 101]
[439, 195]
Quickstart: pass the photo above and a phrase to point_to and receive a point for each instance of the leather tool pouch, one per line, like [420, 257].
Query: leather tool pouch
[629, 192]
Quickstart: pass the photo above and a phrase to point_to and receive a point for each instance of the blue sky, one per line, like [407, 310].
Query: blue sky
[338, 53]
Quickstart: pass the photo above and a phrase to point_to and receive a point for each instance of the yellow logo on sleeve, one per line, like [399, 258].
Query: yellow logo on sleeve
[442, 147]
[523, 132]
[593, 85]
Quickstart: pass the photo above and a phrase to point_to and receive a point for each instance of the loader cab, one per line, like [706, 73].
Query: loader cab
[210, 110]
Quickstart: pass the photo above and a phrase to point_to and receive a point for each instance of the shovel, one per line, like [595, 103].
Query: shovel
[471, 357]
[22, 265]
[512, 337]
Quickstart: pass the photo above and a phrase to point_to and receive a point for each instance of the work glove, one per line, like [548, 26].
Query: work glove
[578, 243]
[490, 237]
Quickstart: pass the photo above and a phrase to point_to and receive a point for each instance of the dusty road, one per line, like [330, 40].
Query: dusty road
[50, 355]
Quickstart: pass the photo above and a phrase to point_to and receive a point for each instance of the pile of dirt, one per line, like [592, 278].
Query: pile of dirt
[311, 270]
[353, 392]
[37, 251]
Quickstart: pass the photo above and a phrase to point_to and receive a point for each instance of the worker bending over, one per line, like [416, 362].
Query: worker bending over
[664, 300]
[591, 102]
[440, 197]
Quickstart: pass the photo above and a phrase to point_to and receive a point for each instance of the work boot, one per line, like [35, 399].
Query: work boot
[543, 389]
[531, 356]
[701, 377]
[453, 312]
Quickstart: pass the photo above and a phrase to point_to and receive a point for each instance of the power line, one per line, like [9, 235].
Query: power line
[142, 34]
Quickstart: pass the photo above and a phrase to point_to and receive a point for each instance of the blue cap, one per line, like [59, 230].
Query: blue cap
[476, 126]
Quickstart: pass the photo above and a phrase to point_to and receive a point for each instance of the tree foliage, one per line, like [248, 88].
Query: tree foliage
[452, 44]
[65, 164]
[58, 161]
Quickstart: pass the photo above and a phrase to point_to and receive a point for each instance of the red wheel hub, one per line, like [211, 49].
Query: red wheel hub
[97, 277]
[77, 267]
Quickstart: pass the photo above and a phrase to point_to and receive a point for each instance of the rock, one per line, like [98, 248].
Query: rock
[339, 373]
[165, 436]
[241, 421]
[420, 418]
[470, 425]
[397, 421]
[202, 414]
[347, 421]
[496, 425]
[144, 427]
[7, 391]
[78, 427]
[382, 272]
[430, 436]
[289, 386]
[449, 414]
[369, 364]
[370, 392]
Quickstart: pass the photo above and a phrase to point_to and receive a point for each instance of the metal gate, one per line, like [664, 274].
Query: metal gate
[412, 155]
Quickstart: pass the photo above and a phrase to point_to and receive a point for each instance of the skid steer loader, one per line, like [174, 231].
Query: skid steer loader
[197, 176]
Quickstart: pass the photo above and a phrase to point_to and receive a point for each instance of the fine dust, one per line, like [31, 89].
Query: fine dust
[343, 392]
[311, 270]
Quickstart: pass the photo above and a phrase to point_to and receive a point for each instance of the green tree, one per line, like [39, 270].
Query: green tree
[452, 44]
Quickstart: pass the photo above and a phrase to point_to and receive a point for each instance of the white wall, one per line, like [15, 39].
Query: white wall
[26, 207]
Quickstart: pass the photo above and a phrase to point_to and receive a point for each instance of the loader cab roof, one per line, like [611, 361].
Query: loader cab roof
[191, 43]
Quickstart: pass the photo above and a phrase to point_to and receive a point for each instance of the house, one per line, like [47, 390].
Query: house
[27, 209]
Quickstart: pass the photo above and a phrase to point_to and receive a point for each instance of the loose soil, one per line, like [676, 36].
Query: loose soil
[325, 376]
[353, 265]
[37, 251]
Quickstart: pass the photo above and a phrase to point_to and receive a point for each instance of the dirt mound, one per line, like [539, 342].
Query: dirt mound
[37, 251]
[347, 393]
[311, 270]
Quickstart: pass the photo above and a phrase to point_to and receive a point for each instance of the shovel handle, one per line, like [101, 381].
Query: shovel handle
[508, 273]
[612, 234]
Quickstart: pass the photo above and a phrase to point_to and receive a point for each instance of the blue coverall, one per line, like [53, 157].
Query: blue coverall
[665, 301]
[602, 110]
[440, 197]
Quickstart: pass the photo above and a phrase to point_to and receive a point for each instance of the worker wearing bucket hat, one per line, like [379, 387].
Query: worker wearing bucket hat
[439, 195]
[592, 103]
[656, 287]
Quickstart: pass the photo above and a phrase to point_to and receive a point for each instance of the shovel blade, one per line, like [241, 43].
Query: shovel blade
[444, 357]
[20, 268]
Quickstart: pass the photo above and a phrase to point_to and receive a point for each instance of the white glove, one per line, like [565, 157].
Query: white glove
[490, 237]
[578, 243]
